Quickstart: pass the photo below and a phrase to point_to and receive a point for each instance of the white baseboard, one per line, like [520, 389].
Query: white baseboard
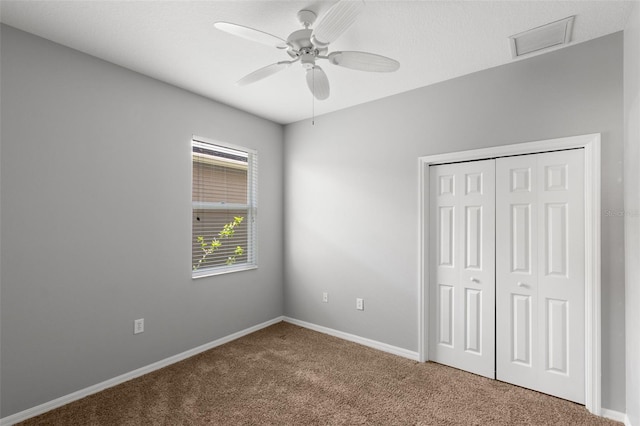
[615, 415]
[58, 402]
[357, 339]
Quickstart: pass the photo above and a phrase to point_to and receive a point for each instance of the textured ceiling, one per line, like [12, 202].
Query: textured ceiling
[176, 42]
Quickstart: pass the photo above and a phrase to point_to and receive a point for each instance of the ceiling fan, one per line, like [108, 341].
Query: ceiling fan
[309, 45]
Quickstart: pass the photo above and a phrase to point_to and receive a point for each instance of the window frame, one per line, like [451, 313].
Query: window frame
[251, 207]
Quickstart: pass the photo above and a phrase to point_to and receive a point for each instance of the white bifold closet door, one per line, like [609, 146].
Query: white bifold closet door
[507, 270]
[540, 278]
[462, 290]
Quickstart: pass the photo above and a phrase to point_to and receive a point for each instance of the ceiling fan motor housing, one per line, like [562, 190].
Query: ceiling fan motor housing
[302, 47]
[300, 39]
[308, 57]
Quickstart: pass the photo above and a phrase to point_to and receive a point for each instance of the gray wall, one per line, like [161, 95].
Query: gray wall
[96, 222]
[351, 188]
[632, 209]
[95, 197]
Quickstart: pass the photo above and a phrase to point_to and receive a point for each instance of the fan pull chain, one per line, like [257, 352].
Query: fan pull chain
[313, 101]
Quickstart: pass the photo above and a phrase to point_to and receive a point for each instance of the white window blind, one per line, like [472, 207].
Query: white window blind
[224, 200]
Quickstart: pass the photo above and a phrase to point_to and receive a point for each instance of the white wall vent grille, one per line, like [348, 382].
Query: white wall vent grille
[546, 36]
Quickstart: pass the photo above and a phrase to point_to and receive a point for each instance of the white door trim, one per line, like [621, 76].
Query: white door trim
[591, 145]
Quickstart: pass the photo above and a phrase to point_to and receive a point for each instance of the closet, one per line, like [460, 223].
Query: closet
[507, 275]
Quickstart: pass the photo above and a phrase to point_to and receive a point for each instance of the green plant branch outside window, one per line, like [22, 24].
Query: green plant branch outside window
[208, 248]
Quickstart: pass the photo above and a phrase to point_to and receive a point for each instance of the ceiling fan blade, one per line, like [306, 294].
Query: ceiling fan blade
[263, 73]
[364, 61]
[336, 21]
[252, 34]
[318, 83]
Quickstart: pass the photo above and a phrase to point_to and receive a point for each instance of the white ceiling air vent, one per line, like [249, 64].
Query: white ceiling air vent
[549, 35]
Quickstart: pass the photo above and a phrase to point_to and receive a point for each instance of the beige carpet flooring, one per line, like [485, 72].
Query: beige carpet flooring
[287, 375]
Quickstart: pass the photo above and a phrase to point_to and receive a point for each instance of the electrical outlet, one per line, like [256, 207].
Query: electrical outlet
[360, 304]
[138, 326]
[325, 297]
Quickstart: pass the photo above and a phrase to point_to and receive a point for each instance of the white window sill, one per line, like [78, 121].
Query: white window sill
[219, 271]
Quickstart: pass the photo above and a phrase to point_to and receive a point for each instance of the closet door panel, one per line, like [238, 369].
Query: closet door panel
[540, 272]
[516, 273]
[561, 269]
[462, 276]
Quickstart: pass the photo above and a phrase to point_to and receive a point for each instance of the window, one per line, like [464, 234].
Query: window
[224, 200]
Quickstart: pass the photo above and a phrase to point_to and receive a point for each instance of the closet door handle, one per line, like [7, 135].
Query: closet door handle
[521, 284]
[474, 280]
